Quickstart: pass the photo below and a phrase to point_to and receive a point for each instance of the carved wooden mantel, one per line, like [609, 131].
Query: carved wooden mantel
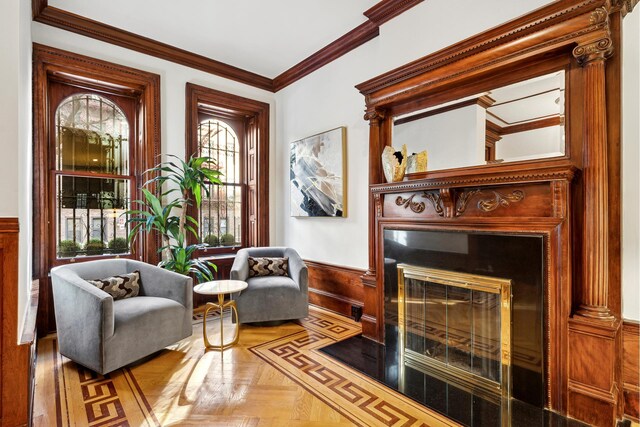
[573, 200]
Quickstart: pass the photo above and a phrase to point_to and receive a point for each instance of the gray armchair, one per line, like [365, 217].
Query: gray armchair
[102, 334]
[271, 298]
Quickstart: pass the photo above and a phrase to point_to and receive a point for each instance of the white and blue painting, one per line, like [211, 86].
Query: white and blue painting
[317, 175]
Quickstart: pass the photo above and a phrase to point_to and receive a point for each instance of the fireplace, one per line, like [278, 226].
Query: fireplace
[467, 308]
[456, 327]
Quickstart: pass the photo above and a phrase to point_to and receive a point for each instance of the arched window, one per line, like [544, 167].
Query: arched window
[91, 175]
[220, 214]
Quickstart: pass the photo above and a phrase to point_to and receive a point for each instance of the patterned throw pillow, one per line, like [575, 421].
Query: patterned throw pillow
[268, 267]
[120, 287]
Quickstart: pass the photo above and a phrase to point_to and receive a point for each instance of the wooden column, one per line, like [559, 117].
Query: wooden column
[595, 270]
[371, 318]
[594, 329]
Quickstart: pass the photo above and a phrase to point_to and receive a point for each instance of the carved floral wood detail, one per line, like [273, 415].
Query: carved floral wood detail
[417, 207]
[436, 201]
[463, 200]
[500, 200]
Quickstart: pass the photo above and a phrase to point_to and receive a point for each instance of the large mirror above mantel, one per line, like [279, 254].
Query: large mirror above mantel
[516, 122]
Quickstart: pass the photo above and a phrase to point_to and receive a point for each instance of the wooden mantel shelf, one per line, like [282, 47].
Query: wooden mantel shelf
[482, 175]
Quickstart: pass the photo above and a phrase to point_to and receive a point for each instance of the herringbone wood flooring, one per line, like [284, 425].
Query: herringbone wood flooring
[273, 377]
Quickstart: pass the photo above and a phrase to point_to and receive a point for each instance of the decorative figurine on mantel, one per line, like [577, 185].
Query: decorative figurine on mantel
[394, 163]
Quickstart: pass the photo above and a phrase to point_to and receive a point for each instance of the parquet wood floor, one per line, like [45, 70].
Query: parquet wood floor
[273, 377]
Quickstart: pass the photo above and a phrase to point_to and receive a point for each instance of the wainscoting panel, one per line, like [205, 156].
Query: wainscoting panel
[14, 370]
[335, 287]
[630, 368]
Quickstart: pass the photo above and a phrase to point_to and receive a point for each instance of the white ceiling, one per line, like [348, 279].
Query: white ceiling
[266, 37]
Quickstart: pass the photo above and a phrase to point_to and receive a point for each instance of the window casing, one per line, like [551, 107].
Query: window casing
[247, 184]
[57, 75]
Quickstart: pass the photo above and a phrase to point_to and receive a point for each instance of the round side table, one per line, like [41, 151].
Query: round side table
[220, 288]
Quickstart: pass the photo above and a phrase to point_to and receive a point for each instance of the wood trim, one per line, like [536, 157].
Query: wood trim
[59, 18]
[29, 328]
[624, 6]
[335, 287]
[334, 50]
[48, 63]
[386, 10]
[548, 28]
[377, 15]
[255, 115]
[9, 225]
[631, 368]
[14, 368]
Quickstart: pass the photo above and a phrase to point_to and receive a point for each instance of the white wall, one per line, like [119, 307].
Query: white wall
[15, 132]
[631, 166]
[452, 139]
[532, 144]
[327, 98]
[173, 79]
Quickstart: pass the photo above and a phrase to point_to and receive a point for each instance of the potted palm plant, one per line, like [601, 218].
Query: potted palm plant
[189, 179]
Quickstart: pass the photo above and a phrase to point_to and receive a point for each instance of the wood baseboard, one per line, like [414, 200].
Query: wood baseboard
[335, 287]
[630, 369]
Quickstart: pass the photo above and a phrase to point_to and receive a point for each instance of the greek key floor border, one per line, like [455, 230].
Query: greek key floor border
[83, 397]
[362, 400]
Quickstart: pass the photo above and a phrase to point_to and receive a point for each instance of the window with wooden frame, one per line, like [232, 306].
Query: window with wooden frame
[233, 131]
[96, 130]
[91, 170]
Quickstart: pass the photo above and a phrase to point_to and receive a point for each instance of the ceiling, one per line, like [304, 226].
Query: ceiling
[265, 37]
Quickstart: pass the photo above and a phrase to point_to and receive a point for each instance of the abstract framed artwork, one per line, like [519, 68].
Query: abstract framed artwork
[317, 175]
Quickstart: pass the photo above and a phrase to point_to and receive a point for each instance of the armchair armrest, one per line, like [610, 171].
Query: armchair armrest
[240, 267]
[159, 282]
[297, 269]
[84, 315]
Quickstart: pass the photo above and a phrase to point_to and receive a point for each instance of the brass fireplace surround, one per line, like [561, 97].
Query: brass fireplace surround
[447, 372]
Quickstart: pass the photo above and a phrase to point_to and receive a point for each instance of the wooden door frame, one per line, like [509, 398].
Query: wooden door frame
[51, 63]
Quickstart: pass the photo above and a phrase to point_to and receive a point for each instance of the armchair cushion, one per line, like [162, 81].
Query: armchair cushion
[266, 266]
[120, 287]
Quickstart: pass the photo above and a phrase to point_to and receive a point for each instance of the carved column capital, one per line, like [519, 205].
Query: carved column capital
[594, 51]
[599, 46]
[374, 115]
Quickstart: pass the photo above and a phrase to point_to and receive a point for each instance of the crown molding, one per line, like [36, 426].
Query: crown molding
[388, 9]
[354, 38]
[556, 25]
[59, 18]
[382, 12]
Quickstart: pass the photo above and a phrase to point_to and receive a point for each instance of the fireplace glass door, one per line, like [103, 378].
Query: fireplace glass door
[456, 326]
